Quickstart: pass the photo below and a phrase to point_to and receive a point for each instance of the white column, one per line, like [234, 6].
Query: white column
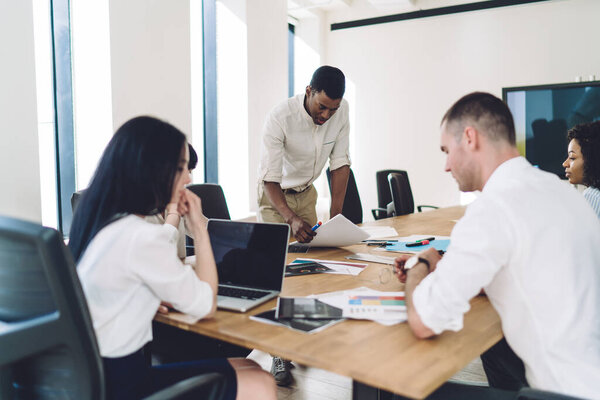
[267, 73]
[19, 158]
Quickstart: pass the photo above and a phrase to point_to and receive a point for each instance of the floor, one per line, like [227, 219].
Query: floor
[317, 384]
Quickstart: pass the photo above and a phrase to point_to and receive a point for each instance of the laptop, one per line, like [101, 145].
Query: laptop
[250, 259]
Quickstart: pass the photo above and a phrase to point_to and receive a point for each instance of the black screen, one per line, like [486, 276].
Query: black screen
[249, 254]
[544, 114]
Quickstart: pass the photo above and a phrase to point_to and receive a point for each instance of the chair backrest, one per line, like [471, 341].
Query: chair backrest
[352, 208]
[75, 197]
[384, 195]
[402, 197]
[49, 349]
[214, 204]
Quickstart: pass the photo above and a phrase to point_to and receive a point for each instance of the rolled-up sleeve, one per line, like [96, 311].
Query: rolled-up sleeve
[340, 154]
[480, 246]
[273, 141]
[171, 280]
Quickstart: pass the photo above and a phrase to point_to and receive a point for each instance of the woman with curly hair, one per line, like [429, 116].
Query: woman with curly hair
[582, 165]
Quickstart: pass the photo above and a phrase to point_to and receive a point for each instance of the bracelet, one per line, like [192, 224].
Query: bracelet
[174, 213]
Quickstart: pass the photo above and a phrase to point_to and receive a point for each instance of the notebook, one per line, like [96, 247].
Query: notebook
[250, 259]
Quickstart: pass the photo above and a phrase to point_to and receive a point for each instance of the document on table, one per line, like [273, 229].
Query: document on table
[337, 267]
[386, 308]
[337, 232]
[372, 258]
[380, 232]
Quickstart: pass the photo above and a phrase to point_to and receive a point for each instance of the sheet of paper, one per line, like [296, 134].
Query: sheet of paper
[378, 232]
[338, 267]
[337, 232]
[372, 258]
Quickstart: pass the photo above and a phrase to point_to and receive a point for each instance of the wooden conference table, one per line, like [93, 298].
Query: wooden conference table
[374, 356]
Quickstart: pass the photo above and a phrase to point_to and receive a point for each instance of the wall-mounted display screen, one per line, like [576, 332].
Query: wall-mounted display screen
[543, 115]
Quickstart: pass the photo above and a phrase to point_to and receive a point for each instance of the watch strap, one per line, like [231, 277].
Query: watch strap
[426, 262]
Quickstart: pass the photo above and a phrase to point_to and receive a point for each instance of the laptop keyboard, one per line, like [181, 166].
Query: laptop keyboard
[241, 293]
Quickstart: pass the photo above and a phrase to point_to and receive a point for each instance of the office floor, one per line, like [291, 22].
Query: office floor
[317, 384]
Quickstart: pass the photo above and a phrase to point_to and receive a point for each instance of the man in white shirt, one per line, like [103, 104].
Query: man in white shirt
[532, 243]
[299, 135]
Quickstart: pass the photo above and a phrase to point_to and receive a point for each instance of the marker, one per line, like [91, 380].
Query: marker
[428, 239]
[420, 243]
[318, 224]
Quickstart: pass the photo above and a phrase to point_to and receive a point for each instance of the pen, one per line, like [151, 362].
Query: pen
[379, 241]
[419, 243]
[318, 224]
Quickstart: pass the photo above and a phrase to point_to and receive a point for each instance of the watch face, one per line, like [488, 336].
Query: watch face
[411, 262]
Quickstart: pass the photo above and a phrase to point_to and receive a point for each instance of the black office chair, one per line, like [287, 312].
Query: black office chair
[402, 198]
[75, 197]
[386, 207]
[352, 208]
[535, 394]
[214, 204]
[49, 349]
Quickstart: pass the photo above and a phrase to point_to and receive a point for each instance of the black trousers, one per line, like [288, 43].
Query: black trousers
[171, 345]
[503, 368]
[505, 373]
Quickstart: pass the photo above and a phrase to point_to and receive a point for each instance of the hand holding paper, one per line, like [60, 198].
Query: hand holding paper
[337, 232]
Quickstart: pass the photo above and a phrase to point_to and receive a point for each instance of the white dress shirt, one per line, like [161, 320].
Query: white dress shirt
[295, 149]
[126, 270]
[533, 244]
[181, 230]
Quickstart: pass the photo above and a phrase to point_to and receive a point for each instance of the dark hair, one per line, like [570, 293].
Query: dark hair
[193, 157]
[588, 137]
[486, 110]
[331, 80]
[135, 176]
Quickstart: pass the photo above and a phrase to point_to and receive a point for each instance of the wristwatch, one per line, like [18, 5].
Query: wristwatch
[414, 260]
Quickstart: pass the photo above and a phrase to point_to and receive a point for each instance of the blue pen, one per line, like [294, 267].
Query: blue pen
[318, 224]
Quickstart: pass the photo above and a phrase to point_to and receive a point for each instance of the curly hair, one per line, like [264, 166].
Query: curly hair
[588, 137]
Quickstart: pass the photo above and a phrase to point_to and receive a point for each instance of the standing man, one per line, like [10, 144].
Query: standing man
[299, 135]
[531, 242]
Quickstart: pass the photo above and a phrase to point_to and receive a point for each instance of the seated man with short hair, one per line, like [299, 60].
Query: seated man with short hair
[532, 243]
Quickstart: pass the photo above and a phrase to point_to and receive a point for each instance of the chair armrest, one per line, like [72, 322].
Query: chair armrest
[379, 213]
[535, 394]
[422, 206]
[212, 387]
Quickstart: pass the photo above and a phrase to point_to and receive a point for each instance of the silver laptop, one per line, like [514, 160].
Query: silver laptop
[250, 260]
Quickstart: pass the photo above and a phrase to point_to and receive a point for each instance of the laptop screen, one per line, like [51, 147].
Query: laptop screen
[249, 254]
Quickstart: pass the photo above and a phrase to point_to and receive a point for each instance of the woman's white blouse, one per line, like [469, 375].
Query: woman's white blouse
[128, 268]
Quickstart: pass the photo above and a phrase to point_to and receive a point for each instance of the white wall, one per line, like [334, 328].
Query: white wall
[19, 162]
[150, 61]
[267, 73]
[406, 74]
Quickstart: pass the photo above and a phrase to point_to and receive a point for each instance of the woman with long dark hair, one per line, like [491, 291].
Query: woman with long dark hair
[127, 265]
